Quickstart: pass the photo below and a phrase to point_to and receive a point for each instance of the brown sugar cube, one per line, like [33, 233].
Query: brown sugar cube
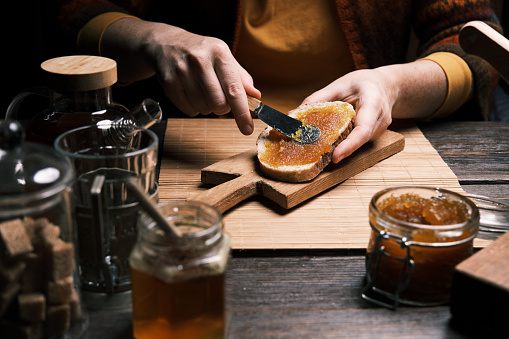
[38, 231]
[32, 228]
[61, 260]
[75, 305]
[49, 233]
[15, 238]
[33, 276]
[11, 271]
[32, 307]
[10, 328]
[58, 319]
[7, 296]
[60, 291]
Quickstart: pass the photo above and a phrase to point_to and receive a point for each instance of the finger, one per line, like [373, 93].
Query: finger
[174, 89]
[370, 123]
[180, 99]
[198, 83]
[214, 96]
[248, 83]
[340, 89]
[206, 85]
[233, 87]
[358, 137]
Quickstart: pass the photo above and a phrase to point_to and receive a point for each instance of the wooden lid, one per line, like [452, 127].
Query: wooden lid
[77, 73]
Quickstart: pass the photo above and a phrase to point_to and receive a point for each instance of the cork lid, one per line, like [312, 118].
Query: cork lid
[77, 73]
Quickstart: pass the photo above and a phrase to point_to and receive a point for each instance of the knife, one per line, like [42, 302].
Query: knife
[292, 128]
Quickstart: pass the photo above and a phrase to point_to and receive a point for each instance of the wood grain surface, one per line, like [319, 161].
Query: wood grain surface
[310, 293]
[239, 177]
[336, 218]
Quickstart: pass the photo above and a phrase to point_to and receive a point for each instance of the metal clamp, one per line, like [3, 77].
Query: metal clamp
[373, 294]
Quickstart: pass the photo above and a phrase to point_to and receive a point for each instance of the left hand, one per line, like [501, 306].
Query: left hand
[413, 90]
[367, 91]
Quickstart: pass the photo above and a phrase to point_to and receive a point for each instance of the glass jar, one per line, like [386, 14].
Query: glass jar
[107, 212]
[178, 283]
[412, 262]
[79, 94]
[39, 284]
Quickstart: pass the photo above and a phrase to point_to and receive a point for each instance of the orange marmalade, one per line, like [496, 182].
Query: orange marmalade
[418, 236]
[281, 150]
[414, 208]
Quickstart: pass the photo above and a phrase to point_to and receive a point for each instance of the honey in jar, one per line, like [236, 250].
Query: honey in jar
[178, 284]
[418, 236]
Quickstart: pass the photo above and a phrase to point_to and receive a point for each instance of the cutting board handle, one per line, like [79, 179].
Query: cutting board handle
[230, 193]
[477, 38]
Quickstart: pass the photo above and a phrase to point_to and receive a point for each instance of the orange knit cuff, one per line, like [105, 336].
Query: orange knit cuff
[90, 35]
[460, 83]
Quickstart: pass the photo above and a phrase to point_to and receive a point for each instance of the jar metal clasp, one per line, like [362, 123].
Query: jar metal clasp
[370, 292]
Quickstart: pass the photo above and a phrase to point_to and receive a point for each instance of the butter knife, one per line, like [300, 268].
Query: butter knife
[292, 128]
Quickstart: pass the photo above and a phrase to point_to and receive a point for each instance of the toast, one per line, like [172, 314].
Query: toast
[283, 159]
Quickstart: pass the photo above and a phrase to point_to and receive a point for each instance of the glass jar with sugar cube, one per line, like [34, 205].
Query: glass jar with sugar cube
[39, 285]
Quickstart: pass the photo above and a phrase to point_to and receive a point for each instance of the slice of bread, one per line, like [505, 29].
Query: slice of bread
[283, 159]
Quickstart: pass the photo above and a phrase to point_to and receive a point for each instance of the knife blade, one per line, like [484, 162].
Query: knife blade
[291, 127]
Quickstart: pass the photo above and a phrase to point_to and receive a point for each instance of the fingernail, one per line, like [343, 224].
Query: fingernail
[338, 159]
[248, 129]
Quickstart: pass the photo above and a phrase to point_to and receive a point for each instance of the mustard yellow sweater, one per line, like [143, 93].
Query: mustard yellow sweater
[370, 34]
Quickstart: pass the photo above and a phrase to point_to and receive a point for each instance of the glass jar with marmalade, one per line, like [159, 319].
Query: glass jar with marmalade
[418, 236]
[178, 283]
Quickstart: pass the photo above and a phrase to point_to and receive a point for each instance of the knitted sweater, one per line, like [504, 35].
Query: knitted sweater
[377, 32]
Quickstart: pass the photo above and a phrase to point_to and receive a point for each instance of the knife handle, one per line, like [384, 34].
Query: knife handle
[479, 39]
[253, 103]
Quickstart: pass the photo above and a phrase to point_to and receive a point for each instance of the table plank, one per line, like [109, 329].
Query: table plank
[316, 293]
[318, 296]
[477, 152]
[315, 296]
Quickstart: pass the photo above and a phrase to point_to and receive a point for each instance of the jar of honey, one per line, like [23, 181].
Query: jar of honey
[178, 283]
[418, 236]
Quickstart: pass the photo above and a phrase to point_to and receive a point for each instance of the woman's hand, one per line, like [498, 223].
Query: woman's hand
[413, 90]
[198, 74]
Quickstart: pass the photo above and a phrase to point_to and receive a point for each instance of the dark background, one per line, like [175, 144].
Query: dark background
[28, 42]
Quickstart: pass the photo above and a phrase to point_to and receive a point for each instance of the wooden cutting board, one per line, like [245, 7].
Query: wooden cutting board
[480, 290]
[238, 177]
[336, 218]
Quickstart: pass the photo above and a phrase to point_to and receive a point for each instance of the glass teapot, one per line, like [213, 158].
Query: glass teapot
[79, 94]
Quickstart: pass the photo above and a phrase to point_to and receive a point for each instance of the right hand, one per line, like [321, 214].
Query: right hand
[199, 74]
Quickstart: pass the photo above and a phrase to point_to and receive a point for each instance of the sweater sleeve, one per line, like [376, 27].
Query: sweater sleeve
[437, 25]
[68, 17]
[459, 82]
[89, 37]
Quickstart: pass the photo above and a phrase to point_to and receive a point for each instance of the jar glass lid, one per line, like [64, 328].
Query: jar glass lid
[494, 216]
[29, 170]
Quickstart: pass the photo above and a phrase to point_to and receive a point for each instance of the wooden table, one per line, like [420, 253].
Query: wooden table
[316, 293]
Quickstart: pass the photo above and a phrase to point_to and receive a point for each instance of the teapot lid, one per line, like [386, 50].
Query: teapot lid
[29, 170]
[80, 73]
